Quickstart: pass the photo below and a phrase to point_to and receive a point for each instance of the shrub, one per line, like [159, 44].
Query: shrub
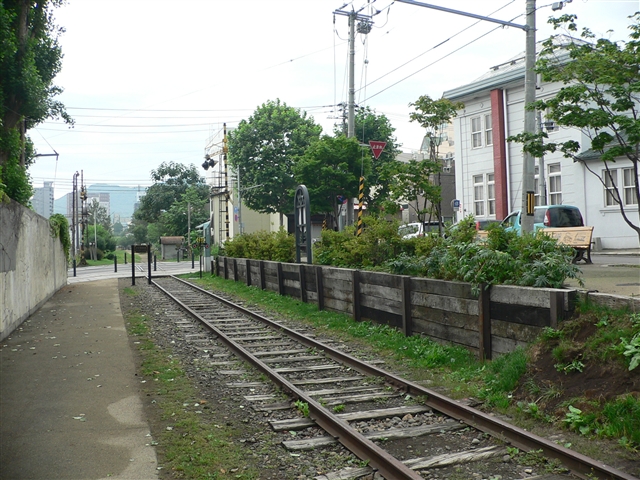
[276, 246]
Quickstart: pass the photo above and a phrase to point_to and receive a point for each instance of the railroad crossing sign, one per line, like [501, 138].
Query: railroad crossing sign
[377, 148]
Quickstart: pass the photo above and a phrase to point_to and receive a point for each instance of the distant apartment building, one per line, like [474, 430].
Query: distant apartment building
[103, 198]
[42, 200]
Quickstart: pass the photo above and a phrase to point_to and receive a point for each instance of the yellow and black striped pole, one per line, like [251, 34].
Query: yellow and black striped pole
[360, 203]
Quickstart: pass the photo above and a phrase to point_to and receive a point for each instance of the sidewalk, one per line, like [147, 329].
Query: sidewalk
[69, 401]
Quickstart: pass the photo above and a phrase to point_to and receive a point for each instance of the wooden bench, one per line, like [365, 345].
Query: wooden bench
[577, 237]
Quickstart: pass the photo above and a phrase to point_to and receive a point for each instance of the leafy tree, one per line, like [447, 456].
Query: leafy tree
[175, 221]
[264, 148]
[30, 58]
[433, 116]
[413, 184]
[371, 126]
[171, 181]
[601, 82]
[118, 229]
[330, 168]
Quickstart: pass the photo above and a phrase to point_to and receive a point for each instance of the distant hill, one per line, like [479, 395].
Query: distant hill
[122, 198]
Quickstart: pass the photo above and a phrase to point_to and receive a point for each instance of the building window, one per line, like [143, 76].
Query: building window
[555, 184]
[484, 195]
[491, 194]
[476, 132]
[481, 129]
[610, 182]
[488, 130]
[478, 195]
[629, 187]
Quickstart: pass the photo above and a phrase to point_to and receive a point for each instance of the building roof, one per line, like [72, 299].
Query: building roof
[507, 72]
[171, 240]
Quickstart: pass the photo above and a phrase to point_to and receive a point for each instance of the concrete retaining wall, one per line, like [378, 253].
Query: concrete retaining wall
[32, 265]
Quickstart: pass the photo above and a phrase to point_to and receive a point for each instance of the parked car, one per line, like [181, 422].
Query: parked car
[416, 229]
[547, 216]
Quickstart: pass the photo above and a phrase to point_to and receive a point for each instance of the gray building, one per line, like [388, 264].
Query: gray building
[42, 200]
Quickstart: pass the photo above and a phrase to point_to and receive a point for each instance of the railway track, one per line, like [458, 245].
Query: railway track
[329, 396]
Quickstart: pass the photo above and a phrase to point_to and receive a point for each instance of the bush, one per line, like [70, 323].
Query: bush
[109, 256]
[276, 246]
[379, 242]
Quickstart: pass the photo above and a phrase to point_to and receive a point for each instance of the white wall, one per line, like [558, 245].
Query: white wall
[32, 264]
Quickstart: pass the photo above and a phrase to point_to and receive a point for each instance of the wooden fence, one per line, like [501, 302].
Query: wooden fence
[499, 320]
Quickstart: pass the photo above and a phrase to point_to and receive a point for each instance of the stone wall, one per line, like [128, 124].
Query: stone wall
[32, 264]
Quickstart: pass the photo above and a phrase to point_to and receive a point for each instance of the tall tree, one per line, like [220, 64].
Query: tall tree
[600, 97]
[263, 150]
[171, 181]
[331, 168]
[433, 116]
[98, 215]
[372, 126]
[30, 58]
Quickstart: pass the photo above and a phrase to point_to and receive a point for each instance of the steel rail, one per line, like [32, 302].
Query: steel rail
[577, 463]
[365, 449]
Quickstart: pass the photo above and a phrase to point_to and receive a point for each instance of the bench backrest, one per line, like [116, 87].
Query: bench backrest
[578, 237]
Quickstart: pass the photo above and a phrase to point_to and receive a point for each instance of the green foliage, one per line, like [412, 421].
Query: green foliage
[379, 242]
[303, 407]
[371, 126]
[632, 350]
[577, 421]
[30, 58]
[276, 246]
[14, 177]
[502, 376]
[330, 167]
[573, 366]
[264, 148]
[60, 229]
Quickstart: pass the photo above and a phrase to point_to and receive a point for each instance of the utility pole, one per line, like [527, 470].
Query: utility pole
[528, 161]
[364, 27]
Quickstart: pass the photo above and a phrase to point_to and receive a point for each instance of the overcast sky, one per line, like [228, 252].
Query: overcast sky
[151, 81]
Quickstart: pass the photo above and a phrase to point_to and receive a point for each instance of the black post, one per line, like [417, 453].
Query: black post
[149, 263]
[115, 263]
[133, 264]
[74, 267]
[178, 256]
[125, 258]
[200, 263]
[154, 262]
[193, 265]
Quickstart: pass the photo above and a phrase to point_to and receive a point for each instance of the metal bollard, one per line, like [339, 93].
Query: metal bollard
[115, 264]
[154, 263]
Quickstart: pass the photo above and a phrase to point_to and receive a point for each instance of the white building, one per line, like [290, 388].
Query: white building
[42, 200]
[489, 170]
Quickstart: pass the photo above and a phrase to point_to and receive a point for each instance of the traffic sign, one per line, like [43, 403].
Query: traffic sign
[377, 148]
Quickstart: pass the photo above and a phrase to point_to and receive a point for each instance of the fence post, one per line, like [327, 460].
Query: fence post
[248, 268]
[133, 265]
[556, 308]
[407, 320]
[484, 323]
[280, 279]
[154, 262]
[226, 268]
[355, 291]
[303, 284]
[235, 270]
[263, 282]
[149, 263]
[320, 287]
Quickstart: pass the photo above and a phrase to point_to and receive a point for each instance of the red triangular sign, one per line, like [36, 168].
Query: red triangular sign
[377, 148]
